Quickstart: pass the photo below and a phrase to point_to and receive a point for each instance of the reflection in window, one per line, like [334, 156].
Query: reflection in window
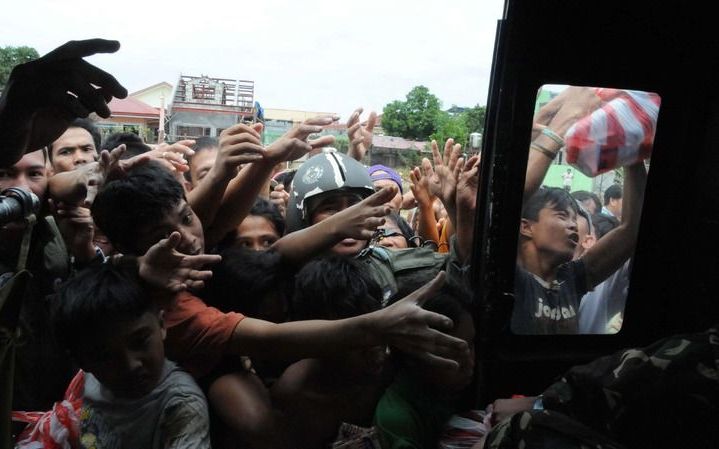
[586, 171]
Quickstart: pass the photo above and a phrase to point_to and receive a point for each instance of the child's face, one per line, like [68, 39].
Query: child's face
[329, 204]
[256, 233]
[182, 219]
[127, 357]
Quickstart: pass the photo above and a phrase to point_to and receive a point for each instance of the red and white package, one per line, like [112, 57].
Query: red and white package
[58, 428]
[618, 134]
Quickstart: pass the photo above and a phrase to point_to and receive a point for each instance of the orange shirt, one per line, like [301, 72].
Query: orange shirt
[197, 334]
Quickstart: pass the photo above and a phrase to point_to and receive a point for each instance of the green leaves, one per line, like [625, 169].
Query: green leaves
[12, 56]
[420, 117]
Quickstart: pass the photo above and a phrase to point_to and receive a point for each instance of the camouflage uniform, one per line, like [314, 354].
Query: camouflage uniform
[664, 395]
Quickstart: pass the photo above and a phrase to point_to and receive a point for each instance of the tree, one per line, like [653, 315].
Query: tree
[415, 118]
[12, 56]
[475, 119]
[454, 126]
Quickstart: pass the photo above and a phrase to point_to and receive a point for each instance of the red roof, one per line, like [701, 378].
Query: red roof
[132, 107]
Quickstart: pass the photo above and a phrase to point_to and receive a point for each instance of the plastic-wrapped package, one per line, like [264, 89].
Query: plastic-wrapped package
[58, 428]
[618, 134]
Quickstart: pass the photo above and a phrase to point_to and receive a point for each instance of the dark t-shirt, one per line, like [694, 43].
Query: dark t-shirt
[541, 308]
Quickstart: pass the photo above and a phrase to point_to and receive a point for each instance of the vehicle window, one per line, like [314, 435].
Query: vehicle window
[589, 153]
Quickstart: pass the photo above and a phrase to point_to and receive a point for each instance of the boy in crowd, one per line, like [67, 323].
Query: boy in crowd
[149, 204]
[133, 396]
[203, 160]
[319, 395]
[78, 145]
[416, 406]
[262, 227]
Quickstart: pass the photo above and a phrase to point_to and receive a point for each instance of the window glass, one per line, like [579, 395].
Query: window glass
[589, 154]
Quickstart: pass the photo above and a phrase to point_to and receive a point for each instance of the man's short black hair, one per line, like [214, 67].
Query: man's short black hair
[242, 280]
[603, 224]
[614, 192]
[139, 200]
[133, 144]
[97, 297]
[583, 195]
[552, 197]
[334, 287]
[89, 126]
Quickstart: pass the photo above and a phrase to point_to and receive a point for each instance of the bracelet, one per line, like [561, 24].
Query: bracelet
[554, 136]
[537, 147]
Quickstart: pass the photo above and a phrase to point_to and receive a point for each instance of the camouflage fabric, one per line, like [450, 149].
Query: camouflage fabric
[663, 395]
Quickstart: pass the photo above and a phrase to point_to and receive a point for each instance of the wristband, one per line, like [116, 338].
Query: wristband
[554, 136]
[545, 151]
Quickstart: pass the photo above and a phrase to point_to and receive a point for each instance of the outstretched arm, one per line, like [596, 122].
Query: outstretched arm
[243, 189]
[404, 325]
[239, 144]
[358, 222]
[612, 250]
[37, 104]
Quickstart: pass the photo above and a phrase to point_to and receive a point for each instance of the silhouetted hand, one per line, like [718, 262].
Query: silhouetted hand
[43, 96]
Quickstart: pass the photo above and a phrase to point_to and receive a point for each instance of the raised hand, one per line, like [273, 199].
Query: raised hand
[405, 325]
[360, 137]
[443, 177]
[165, 267]
[43, 96]
[280, 197]
[77, 229]
[173, 156]
[294, 144]
[239, 144]
[361, 220]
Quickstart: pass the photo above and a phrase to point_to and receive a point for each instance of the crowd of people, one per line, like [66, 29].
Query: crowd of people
[201, 293]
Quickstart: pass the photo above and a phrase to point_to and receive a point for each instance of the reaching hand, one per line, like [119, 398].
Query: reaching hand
[294, 144]
[361, 220]
[419, 185]
[360, 136]
[566, 108]
[173, 156]
[164, 267]
[408, 327]
[77, 229]
[467, 175]
[443, 179]
[43, 96]
[280, 197]
[239, 144]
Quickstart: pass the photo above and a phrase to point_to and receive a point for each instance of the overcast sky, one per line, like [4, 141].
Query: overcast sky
[314, 55]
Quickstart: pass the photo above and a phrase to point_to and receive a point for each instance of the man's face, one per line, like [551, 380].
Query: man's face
[30, 173]
[615, 205]
[201, 163]
[127, 358]
[395, 239]
[182, 219]
[256, 233]
[396, 202]
[328, 204]
[74, 148]
[555, 232]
